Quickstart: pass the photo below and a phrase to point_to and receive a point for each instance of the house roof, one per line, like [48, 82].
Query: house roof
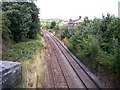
[75, 21]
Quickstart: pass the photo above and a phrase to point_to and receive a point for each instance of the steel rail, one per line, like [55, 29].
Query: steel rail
[93, 78]
[61, 69]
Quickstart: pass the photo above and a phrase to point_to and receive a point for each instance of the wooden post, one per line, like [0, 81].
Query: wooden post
[26, 75]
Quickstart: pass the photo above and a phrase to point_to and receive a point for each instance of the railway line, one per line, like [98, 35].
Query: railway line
[64, 70]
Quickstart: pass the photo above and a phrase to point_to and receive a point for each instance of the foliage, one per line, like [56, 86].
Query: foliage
[5, 27]
[24, 19]
[65, 32]
[20, 22]
[96, 42]
[53, 24]
[98, 39]
[23, 50]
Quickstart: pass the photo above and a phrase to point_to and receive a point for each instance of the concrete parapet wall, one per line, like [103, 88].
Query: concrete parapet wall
[11, 73]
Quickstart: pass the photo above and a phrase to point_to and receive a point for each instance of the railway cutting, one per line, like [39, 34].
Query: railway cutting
[64, 69]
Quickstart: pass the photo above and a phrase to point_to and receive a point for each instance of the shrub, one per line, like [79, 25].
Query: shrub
[24, 19]
[97, 40]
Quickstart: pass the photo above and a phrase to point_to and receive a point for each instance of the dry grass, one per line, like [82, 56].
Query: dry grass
[33, 72]
[36, 71]
[66, 42]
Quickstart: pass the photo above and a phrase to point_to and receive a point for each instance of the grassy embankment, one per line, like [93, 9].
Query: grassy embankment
[31, 55]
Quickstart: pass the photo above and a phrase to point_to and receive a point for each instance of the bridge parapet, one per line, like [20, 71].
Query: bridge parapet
[10, 73]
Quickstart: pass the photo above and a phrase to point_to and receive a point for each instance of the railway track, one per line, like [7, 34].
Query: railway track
[73, 72]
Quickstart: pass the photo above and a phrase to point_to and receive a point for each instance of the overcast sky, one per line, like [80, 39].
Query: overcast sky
[65, 9]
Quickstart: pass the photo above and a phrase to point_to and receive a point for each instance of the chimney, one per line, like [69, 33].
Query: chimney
[79, 17]
[70, 20]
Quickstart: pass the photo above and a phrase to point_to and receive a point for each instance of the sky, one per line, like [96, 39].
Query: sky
[66, 9]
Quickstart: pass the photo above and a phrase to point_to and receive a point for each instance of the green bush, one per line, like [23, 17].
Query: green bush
[24, 20]
[23, 50]
[97, 41]
[6, 33]
[53, 24]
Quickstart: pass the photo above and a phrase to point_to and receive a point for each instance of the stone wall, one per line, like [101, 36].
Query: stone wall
[11, 73]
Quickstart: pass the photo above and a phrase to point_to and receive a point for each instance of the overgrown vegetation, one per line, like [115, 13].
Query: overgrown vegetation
[20, 25]
[33, 71]
[52, 25]
[23, 50]
[21, 30]
[96, 42]
[20, 20]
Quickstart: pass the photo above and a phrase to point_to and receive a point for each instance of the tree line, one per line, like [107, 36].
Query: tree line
[96, 42]
[19, 21]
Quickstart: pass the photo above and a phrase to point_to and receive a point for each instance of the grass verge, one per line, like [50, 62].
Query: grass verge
[31, 55]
